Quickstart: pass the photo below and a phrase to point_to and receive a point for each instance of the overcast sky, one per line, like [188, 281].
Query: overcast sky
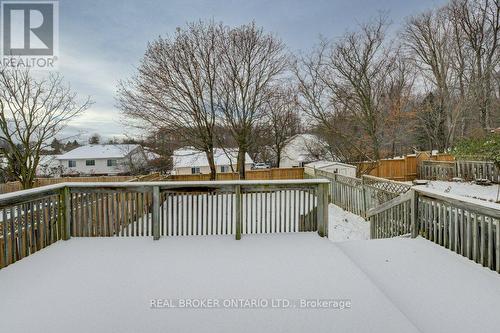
[102, 42]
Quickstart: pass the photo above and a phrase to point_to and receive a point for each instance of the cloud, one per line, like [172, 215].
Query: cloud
[97, 78]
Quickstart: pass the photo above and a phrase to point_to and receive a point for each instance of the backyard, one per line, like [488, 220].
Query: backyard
[162, 256]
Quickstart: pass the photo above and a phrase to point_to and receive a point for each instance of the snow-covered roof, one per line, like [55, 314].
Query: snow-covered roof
[324, 164]
[189, 157]
[47, 159]
[99, 151]
[299, 147]
[150, 156]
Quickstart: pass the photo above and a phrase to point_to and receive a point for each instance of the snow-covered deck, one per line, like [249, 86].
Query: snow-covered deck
[107, 284]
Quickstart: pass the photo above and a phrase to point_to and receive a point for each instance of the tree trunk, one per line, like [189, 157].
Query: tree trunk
[241, 162]
[375, 147]
[211, 164]
[27, 182]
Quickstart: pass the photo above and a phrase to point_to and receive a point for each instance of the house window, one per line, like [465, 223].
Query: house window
[195, 170]
[224, 168]
[71, 164]
[90, 162]
[112, 163]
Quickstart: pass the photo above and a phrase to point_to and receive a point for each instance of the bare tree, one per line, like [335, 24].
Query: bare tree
[252, 61]
[477, 24]
[33, 112]
[95, 139]
[347, 79]
[317, 103]
[176, 84]
[398, 107]
[360, 64]
[282, 119]
[429, 40]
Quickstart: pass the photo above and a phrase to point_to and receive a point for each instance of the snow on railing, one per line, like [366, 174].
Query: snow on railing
[33, 219]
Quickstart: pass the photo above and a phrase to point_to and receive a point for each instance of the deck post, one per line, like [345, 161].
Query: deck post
[62, 215]
[363, 193]
[322, 197]
[237, 194]
[414, 214]
[156, 213]
[67, 213]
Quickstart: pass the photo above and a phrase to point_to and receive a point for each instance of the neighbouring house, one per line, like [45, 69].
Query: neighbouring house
[302, 149]
[109, 159]
[332, 167]
[189, 161]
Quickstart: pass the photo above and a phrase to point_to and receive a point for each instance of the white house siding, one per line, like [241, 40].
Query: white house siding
[186, 158]
[124, 155]
[286, 162]
[332, 167]
[341, 170]
[100, 167]
[206, 169]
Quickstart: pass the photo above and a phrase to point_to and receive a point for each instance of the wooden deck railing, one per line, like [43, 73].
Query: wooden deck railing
[469, 227]
[393, 218]
[358, 195]
[33, 219]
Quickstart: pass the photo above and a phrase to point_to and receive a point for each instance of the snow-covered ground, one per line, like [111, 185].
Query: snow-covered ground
[108, 284]
[345, 226]
[436, 289]
[466, 189]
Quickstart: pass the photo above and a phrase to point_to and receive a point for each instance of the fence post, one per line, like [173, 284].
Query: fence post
[237, 194]
[322, 197]
[414, 214]
[156, 213]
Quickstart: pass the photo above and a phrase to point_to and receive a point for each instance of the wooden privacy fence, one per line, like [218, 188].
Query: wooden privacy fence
[467, 170]
[261, 174]
[401, 168]
[358, 195]
[16, 186]
[33, 219]
[466, 226]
